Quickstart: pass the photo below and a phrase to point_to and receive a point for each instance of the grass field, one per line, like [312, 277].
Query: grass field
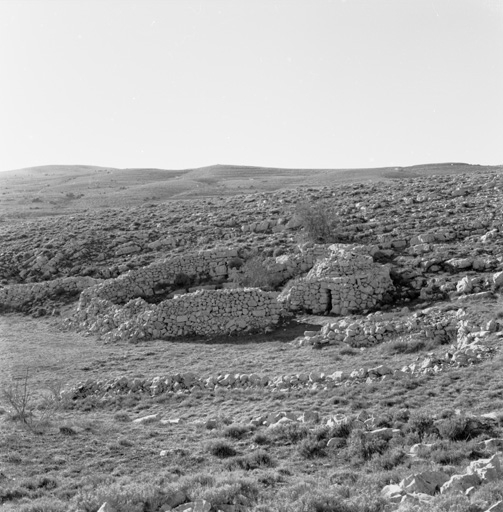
[90, 451]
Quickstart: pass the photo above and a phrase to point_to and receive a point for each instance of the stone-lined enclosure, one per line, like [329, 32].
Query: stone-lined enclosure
[340, 279]
[231, 310]
[467, 347]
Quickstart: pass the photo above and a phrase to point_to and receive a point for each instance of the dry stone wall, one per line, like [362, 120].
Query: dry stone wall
[342, 282]
[142, 282]
[202, 313]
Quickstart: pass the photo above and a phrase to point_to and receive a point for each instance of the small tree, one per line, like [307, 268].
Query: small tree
[321, 223]
[254, 273]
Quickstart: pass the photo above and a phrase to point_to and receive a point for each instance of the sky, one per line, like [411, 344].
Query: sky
[176, 84]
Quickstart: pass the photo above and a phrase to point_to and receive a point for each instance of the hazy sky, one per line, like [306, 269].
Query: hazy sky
[295, 83]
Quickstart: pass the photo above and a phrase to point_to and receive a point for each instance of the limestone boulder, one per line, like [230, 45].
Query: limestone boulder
[498, 279]
[488, 470]
[460, 483]
[392, 493]
[465, 285]
[427, 482]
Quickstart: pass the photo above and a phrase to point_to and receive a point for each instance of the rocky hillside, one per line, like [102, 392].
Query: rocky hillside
[431, 230]
[218, 350]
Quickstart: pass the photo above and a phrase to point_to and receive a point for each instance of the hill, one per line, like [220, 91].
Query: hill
[65, 189]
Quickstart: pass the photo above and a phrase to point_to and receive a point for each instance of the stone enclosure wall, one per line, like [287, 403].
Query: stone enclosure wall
[344, 279]
[200, 313]
[143, 282]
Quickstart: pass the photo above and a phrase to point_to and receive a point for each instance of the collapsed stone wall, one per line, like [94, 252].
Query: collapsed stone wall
[438, 327]
[458, 354]
[200, 313]
[344, 282]
[18, 296]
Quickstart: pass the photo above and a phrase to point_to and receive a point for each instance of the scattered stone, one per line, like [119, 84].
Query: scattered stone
[194, 506]
[106, 508]
[152, 418]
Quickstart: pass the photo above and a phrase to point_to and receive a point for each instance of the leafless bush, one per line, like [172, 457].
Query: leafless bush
[321, 223]
[24, 406]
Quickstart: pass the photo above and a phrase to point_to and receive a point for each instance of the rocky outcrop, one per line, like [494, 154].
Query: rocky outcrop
[422, 486]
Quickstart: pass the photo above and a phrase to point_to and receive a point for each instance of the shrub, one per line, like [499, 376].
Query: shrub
[31, 413]
[320, 222]
[311, 448]
[254, 273]
[405, 347]
[254, 460]
[342, 429]
[125, 496]
[221, 449]
[361, 447]
[226, 489]
[323, 501]
[390, 459]
[236, 431]
[261, 439]
[182, 280]
[289, 433]
[455, 429]
[461, 428]
[421, 425]
[488, 493]
[348, 351]
[449, 452]
[236, 263]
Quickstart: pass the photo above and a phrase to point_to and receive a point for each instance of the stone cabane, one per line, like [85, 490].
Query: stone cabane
[301, 261]
[346, 281]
